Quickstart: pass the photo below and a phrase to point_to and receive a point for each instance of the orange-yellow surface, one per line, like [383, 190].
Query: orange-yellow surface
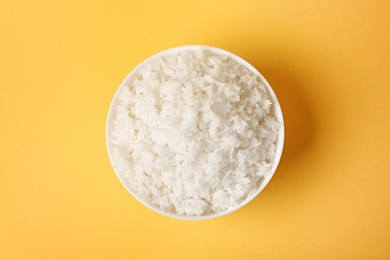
[62, 61]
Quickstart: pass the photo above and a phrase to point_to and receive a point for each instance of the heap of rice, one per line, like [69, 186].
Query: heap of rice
[193, 133]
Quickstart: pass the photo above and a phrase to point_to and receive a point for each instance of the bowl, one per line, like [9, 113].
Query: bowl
[275, 111]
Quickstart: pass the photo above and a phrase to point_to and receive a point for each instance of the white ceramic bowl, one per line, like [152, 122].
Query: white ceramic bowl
[275, 111]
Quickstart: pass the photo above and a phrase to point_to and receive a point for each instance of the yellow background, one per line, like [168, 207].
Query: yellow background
[62, 61]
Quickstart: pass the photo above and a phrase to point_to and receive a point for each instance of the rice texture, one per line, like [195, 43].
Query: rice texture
[194, 133]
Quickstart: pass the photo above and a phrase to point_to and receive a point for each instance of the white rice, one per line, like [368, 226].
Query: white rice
[193, 134]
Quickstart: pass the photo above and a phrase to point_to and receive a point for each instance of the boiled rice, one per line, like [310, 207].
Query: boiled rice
[194, 133]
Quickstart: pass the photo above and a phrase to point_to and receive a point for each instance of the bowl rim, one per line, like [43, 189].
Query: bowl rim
[275, 107]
